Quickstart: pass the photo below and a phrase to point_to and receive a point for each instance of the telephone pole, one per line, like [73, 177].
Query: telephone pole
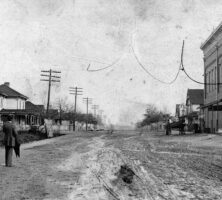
[75, 91]
[95, 107]
[101, 115]
[88, 101]
[49, 74]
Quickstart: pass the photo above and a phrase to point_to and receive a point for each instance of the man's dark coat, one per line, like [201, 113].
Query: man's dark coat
[11, 137]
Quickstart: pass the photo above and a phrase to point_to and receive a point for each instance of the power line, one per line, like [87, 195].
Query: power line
[90, 60]
[93, 60]
[202, 83]
[157, 79]
[192, 79]
[108, 66]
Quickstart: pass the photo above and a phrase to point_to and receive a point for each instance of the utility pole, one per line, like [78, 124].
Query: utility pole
[51, 78]
[101, 115]
[88, 101]
[95, 107]
[218, 85]
[75, 91]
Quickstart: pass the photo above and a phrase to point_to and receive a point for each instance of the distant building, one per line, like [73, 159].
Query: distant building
[212, 50]
[194, 102]
[195, 99]
[16, 104]
[180, 110]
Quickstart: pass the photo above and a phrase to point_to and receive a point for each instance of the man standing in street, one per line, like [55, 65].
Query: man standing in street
[10, 140]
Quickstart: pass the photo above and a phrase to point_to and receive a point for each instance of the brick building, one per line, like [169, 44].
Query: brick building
[212, 109]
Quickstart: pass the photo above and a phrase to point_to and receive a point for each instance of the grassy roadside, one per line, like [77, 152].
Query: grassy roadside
[26, 137]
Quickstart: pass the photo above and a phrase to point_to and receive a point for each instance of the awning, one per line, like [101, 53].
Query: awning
[215, 108]
[18, 112]
[193, 114]
[214, 103]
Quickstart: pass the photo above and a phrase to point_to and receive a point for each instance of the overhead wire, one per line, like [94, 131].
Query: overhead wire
[154, 77]
[141, 65]
[183, 69]
[202, 83]
[89, 60]
[100, 69]
[109, 65]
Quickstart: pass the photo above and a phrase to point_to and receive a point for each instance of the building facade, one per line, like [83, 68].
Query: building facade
[14, 103]
[212, 109]
[194, 102]
[180, 111]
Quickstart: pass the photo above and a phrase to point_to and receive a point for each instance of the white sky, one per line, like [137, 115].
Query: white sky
[67, 35]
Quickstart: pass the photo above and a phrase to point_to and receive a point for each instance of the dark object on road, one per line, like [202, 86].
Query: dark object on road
[34, 129]
[126, 174]
[181, 127]
[110, 132]
[17, 148]
[168, 127]
[196, 128]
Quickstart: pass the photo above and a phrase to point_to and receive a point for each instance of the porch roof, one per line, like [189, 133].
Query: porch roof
[192, 114]
[19, 112]
[211, 104]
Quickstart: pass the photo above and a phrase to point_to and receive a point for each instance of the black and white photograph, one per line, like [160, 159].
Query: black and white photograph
[110, 100]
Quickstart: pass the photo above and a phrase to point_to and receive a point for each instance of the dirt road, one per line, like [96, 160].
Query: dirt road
[87, 166]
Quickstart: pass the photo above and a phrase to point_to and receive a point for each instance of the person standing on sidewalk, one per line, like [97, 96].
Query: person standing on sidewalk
[10, 140]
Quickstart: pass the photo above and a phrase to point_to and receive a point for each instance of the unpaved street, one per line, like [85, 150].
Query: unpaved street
[86, 166]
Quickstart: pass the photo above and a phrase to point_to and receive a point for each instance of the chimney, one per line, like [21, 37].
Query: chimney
[7, 84]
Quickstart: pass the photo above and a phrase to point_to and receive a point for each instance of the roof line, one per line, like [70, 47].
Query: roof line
[210, 36]
[18, 93]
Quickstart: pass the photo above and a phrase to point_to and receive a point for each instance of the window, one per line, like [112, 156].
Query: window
[215, 74]
[209, 81]
[1, 103]
[219, 71]
[218, 81]
[212, 79]
[206, 82]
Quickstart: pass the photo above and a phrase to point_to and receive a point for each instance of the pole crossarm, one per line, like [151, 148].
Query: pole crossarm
[52, 78]
[75, 88]
[56, 76]
[44, 75]
[45, 71]
[55, 80]
[56, 71]
[75, 94]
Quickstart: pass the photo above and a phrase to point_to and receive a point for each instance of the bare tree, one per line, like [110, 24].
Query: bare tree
[62, 106]
[152, 115]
